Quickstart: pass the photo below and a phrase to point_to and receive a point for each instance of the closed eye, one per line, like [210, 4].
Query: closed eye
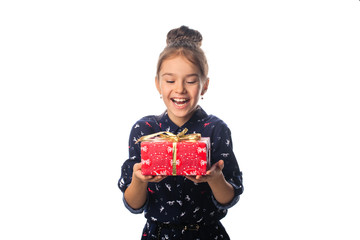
[192, 81]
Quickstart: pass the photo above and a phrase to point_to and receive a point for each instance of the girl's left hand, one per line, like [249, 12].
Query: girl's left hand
[215, 172]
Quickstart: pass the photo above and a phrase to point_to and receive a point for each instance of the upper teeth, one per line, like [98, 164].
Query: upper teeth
[179, 99]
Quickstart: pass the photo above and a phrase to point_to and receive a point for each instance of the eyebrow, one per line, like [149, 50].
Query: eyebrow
[172, 74]
[167, 74]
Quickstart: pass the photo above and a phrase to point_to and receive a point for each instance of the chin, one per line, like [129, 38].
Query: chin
[183, 113]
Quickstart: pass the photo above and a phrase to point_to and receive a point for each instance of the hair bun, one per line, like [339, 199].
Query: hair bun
[184, 36]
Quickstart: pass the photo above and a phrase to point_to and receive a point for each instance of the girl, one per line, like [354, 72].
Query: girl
[178, 207]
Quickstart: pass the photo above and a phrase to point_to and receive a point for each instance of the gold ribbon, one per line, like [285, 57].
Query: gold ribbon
[174, 138]
[174, 158]
[168, 136]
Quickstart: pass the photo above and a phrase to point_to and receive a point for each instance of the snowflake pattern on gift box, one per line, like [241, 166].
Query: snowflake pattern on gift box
[192, 158]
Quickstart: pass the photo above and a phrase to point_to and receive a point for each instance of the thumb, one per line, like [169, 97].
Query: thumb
[220, 164]
[137, 166]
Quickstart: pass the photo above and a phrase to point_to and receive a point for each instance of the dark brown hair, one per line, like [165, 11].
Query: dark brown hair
[186, 42]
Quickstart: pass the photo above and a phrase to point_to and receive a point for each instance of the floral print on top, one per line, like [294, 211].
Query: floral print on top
[177, 200]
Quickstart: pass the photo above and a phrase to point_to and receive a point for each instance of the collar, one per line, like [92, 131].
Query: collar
[166, 124]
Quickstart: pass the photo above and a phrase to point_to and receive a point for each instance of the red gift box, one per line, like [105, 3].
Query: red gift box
[183, 157]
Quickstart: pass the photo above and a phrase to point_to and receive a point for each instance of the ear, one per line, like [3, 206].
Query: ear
[157, 84]
[205, 86]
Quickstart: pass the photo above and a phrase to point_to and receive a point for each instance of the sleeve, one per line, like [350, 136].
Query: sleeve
[134, 157]
[222, 149]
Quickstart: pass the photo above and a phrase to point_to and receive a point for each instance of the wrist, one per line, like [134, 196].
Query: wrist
[222, 190]
[138, 181]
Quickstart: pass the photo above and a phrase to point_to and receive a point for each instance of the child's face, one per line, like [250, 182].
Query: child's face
[180, 85]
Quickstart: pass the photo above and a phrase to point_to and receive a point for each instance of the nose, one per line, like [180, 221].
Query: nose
[180, 87]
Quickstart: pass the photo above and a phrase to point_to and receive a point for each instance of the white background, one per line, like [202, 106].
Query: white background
[75, 75]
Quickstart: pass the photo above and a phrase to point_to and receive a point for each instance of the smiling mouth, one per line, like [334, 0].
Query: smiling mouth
[180, 101]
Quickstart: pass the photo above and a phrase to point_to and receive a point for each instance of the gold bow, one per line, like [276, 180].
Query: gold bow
[168, 136]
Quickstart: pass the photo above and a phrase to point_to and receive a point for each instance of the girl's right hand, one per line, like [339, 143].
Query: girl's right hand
[139, 176]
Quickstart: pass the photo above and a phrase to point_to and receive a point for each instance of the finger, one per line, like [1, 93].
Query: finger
[198, 177]
[216, 167]
[158, 178]
[137, 166]
[202, 178]
[191, 178]
[213, 167]
[221, 164]
[148, 178]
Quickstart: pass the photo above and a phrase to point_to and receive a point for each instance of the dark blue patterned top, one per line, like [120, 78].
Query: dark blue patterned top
[177, 199]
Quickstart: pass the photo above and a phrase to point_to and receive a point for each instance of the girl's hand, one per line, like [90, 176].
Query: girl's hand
[136, 194]
[142, 178]
[214, 173]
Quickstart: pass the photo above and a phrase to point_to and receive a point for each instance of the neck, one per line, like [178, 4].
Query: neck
[180, 121]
